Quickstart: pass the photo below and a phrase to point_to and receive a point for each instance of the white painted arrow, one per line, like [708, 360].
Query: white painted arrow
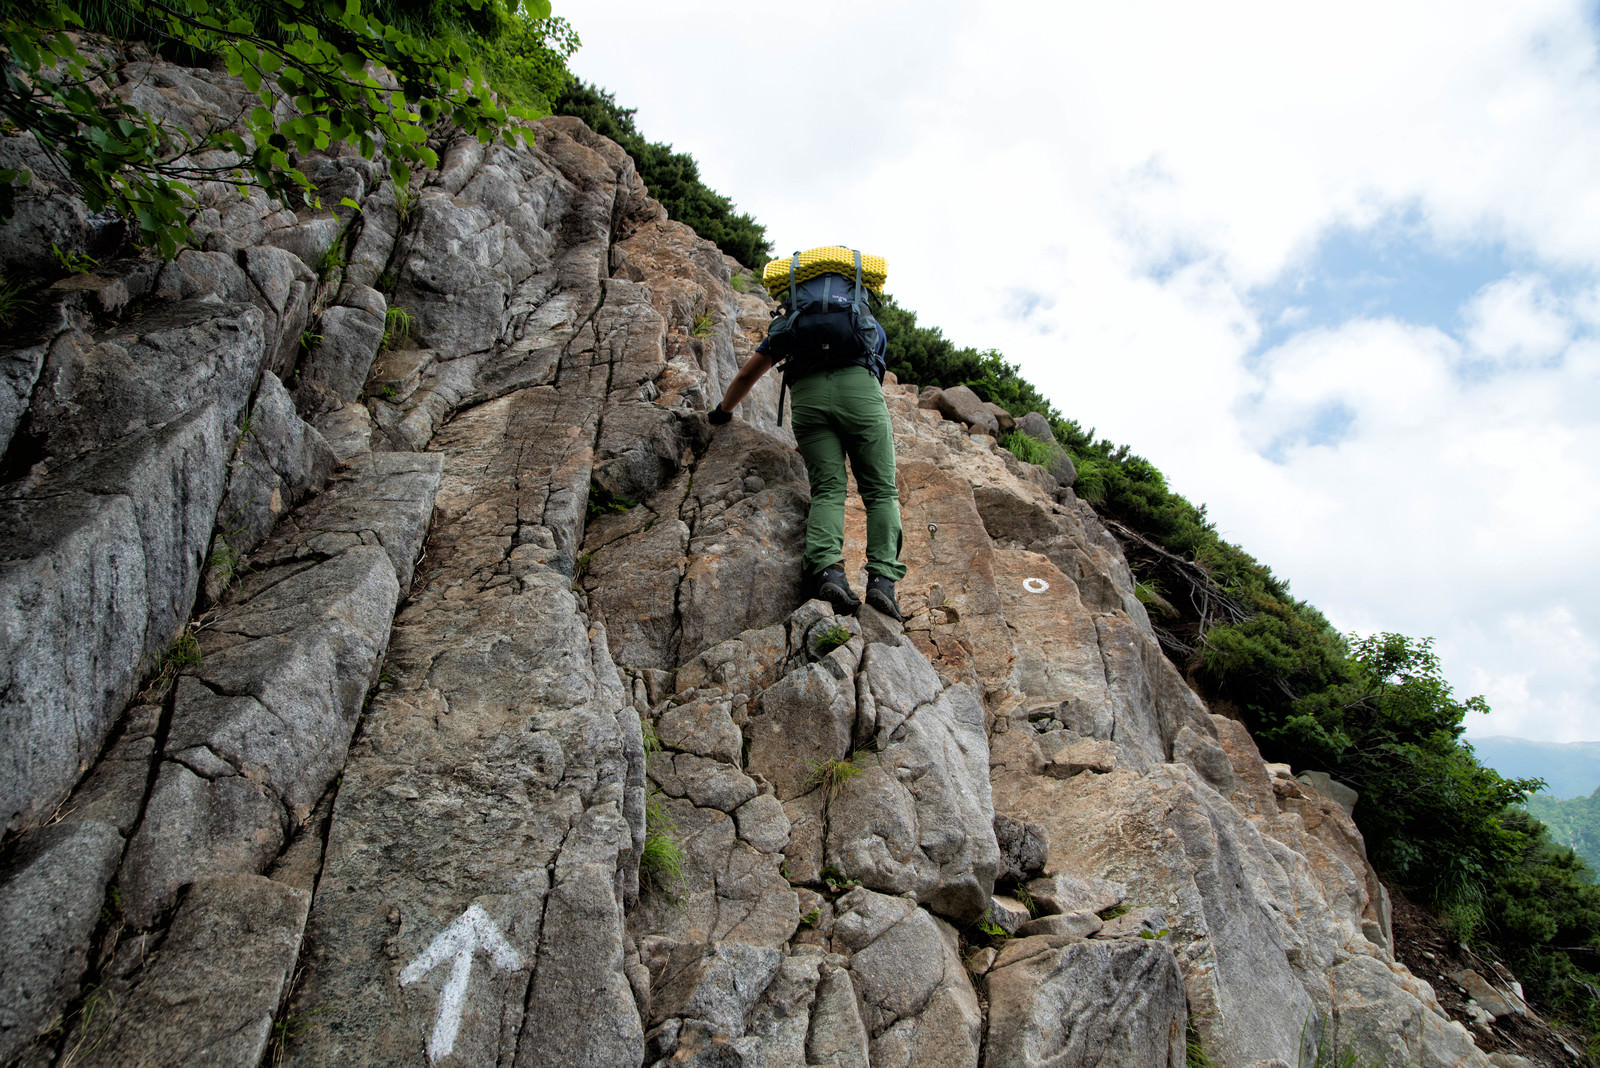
[457, 943]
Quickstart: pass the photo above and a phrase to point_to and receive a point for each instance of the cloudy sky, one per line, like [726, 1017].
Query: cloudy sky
[1334, 269]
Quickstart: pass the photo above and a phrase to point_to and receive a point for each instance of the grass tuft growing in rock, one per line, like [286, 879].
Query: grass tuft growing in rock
[661, 861]
[832, 775]
[396, 326]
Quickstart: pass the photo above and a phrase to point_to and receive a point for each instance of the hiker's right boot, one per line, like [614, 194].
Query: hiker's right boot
[833, 587]
[880, 595]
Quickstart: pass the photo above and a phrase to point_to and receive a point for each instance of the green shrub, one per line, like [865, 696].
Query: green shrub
[1027, 449]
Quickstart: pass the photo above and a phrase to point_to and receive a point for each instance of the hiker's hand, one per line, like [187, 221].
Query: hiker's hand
[717, 416]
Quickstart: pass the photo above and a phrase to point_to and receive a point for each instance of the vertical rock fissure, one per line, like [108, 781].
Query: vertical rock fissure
[538, 951]
[690, 517]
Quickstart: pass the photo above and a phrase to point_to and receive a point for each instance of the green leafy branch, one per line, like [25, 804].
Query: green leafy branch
[347, 77]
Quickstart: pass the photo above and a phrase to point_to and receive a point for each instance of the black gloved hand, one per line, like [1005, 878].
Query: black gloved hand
[717, 416]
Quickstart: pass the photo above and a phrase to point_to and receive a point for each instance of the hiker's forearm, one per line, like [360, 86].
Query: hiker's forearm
[756, 366]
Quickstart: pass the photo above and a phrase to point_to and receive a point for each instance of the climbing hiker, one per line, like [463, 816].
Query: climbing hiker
[831, 351]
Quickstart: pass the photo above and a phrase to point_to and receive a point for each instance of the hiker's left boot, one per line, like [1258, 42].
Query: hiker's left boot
[833, 587]
[880, 595]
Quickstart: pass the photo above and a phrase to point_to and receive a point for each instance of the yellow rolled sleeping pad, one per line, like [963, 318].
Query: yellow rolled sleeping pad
[829, 259]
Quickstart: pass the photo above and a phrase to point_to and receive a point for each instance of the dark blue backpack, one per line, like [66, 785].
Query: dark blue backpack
[823, 323]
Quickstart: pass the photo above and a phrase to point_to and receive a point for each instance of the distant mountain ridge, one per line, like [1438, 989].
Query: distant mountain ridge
[1569, 769]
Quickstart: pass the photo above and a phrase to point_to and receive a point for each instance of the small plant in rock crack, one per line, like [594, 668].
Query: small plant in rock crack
[703, 322]
[811, 918]
[406, 198]
[13, 304]
[832, 775]
[74, 262]
[396, 326]
[289, 1027]
[332, 260]
[991, 930]
[661, 861]
[1027, 901]
[837, 881]
[1195, 1055]
[602, 503]
[184, 652]
[581, 568]
[225, 562]
[94, 1017]
[832, 637]
[1325, 1049]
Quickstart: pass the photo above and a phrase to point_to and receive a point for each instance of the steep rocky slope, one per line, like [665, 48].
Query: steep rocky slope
[345, 674]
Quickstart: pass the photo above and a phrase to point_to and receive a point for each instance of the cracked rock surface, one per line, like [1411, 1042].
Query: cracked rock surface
[449, 698]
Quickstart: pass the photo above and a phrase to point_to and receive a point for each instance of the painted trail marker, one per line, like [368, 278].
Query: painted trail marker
[457, 943]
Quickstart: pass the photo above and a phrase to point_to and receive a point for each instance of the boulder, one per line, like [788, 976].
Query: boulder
[960, 403]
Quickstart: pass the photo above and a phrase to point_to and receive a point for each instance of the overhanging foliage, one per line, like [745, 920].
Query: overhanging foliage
[324, 72]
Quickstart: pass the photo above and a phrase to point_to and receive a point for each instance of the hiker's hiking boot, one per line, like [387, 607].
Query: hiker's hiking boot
[834, 588]
[880, 595]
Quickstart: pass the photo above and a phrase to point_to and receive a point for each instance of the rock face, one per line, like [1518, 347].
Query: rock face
[445, 696]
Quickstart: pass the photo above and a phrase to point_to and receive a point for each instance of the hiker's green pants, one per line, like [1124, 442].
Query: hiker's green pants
[836, 415]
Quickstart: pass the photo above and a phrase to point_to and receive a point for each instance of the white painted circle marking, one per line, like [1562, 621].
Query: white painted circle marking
[1035, 585]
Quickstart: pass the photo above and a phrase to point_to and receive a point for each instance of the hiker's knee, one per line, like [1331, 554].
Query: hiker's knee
[828, 485]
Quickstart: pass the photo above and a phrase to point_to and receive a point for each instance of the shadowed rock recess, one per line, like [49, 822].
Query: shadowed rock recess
[348, 672]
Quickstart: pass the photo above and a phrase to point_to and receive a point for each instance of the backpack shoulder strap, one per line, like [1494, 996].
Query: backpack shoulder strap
[794, 297]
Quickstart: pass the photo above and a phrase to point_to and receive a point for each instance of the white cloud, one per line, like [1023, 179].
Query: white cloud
[1516, 321]
[1144, 169]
